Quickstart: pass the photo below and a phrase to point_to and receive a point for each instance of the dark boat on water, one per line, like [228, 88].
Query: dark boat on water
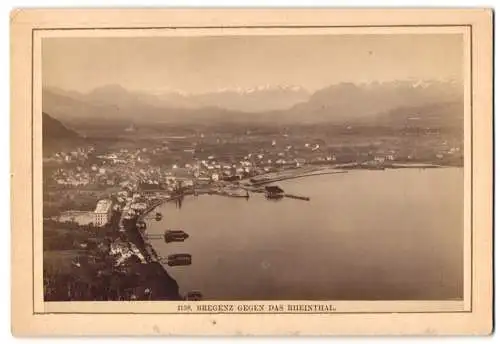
[194, 295]
[176, 232]
[179, 256]
[175, 235]
[179, 259]
[179, 262]
[158, 216]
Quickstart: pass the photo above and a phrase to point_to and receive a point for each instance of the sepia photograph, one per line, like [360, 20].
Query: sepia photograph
[311, 167]
[276, 170]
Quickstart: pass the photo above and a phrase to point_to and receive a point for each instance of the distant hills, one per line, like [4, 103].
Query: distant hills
[56, 135]
[53, 129]
[353, 102]
[388, 102]
[116, 105]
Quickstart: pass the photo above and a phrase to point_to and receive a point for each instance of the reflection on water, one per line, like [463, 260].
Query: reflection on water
[178, 202]
[364, 235]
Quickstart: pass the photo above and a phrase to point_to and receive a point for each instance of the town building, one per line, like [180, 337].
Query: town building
[102, 212]
[140, 206]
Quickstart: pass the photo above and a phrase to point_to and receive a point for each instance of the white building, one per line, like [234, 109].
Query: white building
[139, 206]
[102, 212]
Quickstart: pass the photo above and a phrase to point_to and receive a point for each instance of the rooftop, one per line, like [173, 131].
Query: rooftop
[274, 189]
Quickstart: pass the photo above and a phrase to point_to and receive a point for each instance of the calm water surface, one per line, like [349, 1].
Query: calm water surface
[364, 235]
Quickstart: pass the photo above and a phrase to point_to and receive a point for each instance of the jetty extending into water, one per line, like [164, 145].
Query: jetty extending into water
[303, 198]
[263, 180]
[236, 193]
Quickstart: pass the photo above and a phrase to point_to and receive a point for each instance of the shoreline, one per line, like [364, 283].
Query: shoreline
[157, 274]
[152, 253]
[141, 217]
[247, 185]
[187, 283]
[335, 170]
[306, 174]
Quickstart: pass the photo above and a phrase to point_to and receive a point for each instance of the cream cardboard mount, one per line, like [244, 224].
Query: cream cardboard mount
[251, 172]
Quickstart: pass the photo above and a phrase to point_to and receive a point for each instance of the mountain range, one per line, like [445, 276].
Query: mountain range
[257, 99]
[340, 103]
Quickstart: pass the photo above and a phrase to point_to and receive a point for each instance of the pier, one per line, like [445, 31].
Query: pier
[303, 198]
[263, 181]
[146, 213]
[155, 236]
[234, 195]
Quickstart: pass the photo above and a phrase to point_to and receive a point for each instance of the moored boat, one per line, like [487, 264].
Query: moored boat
[175, 235]
[179, 256]
[194, 295]
[179, 259]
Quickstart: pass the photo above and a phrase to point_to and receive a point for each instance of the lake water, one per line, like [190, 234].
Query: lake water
[364, 235]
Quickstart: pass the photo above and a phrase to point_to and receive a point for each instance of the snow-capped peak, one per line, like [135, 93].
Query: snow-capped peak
[262, 88]
[239, 90]
[421, 83]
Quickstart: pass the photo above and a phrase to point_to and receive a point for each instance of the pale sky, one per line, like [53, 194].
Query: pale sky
[206, 64]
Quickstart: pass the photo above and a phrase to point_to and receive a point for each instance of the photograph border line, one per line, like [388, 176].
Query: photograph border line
[470, 26]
